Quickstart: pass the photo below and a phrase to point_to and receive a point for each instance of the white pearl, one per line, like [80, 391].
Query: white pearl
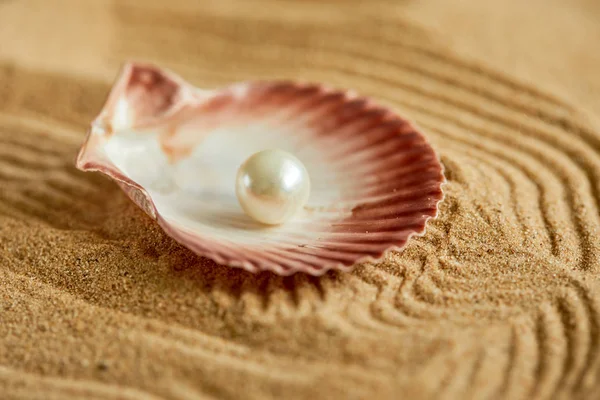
[272, 186]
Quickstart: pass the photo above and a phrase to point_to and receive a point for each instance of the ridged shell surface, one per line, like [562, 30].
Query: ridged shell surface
[175, 150]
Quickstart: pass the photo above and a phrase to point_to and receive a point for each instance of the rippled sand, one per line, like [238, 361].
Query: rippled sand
[500, 299]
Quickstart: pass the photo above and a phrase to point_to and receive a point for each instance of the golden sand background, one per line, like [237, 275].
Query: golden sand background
[500, 299]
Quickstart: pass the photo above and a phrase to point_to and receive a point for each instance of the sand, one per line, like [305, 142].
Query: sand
[500, 299]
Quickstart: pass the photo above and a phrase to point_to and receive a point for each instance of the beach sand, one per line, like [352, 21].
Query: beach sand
[500, 298]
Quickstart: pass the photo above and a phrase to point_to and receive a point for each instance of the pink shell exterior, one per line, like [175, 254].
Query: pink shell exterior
[392, 185]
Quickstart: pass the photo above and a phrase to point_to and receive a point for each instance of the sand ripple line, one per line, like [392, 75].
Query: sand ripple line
[391, 36]
[198, 349]
[20, 384]
[589, 301]
[546, 181]
[43, 183]
[552, 352]
[567, 343]
[529, 172]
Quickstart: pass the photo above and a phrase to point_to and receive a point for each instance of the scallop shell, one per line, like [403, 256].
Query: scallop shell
[175, 149]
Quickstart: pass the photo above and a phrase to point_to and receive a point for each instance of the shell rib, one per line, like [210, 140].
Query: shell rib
[175, 149]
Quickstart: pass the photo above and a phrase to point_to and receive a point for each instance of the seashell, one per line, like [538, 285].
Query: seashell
[175, 150]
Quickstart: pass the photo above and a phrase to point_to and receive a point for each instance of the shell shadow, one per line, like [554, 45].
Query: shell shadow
[208, 276]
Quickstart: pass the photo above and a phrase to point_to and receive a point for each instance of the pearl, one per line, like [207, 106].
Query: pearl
[272, 186]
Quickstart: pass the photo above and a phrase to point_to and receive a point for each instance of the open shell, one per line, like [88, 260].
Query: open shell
[175, 149]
